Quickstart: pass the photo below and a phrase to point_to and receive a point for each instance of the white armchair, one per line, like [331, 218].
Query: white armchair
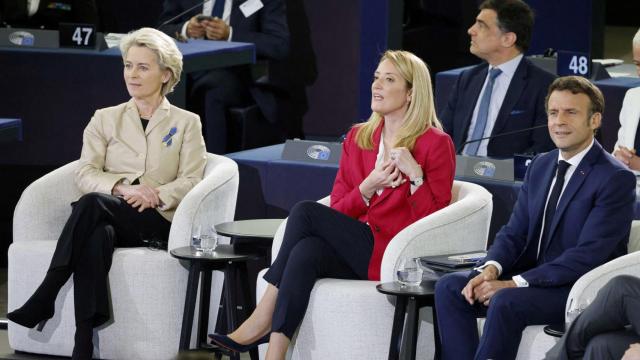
[535, 343]
[147, 286]
[349, 319]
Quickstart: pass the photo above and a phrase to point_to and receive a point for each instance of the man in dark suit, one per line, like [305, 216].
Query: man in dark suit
[503, 94]
[544, 248]
[263, 24]
[46, 14]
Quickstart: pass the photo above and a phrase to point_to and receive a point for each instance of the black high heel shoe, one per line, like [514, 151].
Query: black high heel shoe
[41, 305]
[226, 342]
[31, 314]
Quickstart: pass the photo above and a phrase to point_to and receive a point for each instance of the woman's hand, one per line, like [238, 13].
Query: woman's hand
[632, 353]
[403, 160]
[383, 175]
[627, 157]
[138, 196]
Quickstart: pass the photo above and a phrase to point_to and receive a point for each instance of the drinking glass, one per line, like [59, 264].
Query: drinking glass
[196, 234]
[409, 272]
[209, 239]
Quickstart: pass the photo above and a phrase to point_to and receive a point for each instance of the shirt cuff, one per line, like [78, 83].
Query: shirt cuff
[183, 32]
[520, 281]
[490, 262]
[230, 34]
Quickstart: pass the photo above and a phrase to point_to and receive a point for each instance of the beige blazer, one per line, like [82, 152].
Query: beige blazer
[170, 155]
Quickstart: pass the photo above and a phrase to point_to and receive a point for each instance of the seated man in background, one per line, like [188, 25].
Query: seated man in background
[46, 14]
[628, 135]
[503, 94]
[573, 214]
[602, 331]
[214, 92]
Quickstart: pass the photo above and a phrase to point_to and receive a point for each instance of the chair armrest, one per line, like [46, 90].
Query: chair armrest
[211, 201]
[460, 227]
[44, 205]
[586, 288]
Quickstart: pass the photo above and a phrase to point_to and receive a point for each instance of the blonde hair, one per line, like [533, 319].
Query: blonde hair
[420, 115]
[167, 53]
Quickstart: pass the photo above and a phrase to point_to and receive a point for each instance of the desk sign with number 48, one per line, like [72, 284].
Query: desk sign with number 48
[573, 63]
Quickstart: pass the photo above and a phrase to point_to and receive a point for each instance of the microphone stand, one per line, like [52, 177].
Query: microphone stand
[500, 135]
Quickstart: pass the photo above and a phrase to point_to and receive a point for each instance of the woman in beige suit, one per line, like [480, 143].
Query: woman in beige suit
[138, 161]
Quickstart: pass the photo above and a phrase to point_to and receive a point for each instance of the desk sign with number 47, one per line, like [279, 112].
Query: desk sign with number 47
[573, 63]
[77, 35]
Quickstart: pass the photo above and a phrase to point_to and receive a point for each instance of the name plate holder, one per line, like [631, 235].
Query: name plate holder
[484, 167]
[68, 36]
[317, 152]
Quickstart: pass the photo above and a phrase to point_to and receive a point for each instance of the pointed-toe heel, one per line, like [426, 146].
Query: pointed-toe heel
[226, 342]
[31, 319]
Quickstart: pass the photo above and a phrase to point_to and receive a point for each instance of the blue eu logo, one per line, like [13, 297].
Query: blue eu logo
[319, 152]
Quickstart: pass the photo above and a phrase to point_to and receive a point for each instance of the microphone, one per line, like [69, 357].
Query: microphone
[459, 150]
[184, 12]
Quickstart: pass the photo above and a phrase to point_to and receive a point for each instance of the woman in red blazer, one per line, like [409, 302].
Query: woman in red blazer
[395, 169]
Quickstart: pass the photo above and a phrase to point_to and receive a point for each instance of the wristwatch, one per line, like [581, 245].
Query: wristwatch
[417, 181]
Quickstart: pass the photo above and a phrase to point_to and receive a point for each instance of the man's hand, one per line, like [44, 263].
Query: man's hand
[216, 29]
[138, 196]
[195, 28]
[632, 353]
[472, 291]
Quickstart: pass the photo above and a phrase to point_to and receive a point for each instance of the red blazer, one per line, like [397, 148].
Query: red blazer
[394, 209]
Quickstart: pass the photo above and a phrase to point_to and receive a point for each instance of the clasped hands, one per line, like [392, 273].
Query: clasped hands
[482, 287]
[138, 196]
[208, 28]
[389, 172]
[628, 157]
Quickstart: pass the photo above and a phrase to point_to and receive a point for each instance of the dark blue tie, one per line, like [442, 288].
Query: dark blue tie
[552, 204]
[218, 8]
[483, 113]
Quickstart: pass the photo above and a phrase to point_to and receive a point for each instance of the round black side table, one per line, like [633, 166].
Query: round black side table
[201, 265]
[410, 299]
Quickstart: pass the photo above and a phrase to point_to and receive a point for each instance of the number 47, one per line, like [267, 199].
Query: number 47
[77, 35]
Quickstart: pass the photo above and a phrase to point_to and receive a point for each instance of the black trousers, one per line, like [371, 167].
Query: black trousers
[606, 328]
[213, 93]
[318, 242]
[99, 223]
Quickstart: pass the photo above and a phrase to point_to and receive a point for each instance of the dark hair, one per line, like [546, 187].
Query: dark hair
[513, 16]
[578, 85]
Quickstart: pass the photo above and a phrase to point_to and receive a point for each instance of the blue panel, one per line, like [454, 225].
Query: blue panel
[561, 25]
[373, 42]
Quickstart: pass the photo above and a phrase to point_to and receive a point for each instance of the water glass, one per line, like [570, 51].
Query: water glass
[409, 272]
[209, 240]
[196, 235]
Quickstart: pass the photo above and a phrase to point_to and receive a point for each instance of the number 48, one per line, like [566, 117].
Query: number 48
[78, 38]
[578, 65]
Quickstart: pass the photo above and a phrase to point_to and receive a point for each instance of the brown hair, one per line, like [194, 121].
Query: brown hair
[578, 85]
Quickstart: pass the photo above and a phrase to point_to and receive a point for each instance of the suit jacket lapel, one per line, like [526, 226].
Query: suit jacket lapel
[370, 161]
[576, 181]
[130, 132]
[516, 86]
[159, 116]
[541, 199]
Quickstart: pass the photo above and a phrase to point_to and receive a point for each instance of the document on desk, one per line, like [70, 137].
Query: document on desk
[454, 262]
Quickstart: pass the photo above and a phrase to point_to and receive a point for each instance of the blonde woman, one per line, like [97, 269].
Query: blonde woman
[395, 169]
[139, 159]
